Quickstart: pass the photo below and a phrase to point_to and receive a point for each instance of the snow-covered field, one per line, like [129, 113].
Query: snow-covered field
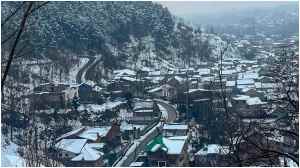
[10, 156]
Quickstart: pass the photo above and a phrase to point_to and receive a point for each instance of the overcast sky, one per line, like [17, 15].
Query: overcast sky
[189, 8]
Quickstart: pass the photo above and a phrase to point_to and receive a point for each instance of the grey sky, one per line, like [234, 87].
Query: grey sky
[183, 8]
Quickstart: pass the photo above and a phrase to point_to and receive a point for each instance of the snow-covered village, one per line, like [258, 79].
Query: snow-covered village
[149, 84]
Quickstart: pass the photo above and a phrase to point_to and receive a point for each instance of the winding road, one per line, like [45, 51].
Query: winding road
[169, 113]
[140, 144]
[171, 110]
[83, 70]
[81, 75]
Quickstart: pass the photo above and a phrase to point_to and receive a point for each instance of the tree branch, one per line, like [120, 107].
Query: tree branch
[11, 55]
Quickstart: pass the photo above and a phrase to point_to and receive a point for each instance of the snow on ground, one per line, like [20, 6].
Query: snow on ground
[10, 156]
[213, 149]
[74, 70]
[289, 162]
[137, 143]
[100, 108]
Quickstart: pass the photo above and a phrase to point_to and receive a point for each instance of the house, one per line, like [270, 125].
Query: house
[86, 146]
[90, 155]
[144, 111]
[47, 100]
[245, 84]
[212, 155]
[77, 152]
[199, 93]
[201, 108]
[85, 92]
[169, 92]
[231, 84]
[59, 95]
[171, 151]
[123, 72]
[156, 92]
[137, 164]
[164, 91]
[175, 129]
[103, 134]
[248, 106]
[69, 148]
[50, 87]
[129, 84]
[174, 86]
[131, 131]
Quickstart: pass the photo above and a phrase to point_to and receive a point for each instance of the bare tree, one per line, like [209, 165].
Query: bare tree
[258, 135]
[14, 38]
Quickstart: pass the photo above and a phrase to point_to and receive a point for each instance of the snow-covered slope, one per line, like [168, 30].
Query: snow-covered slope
[10, 156]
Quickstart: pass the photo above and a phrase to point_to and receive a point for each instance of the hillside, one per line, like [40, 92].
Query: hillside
[125, 34]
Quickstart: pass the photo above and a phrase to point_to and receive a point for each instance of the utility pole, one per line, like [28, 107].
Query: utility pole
[188, 88]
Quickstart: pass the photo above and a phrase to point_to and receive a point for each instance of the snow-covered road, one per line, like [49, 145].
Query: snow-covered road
[169, 113]
[80, 77]
[138, 146]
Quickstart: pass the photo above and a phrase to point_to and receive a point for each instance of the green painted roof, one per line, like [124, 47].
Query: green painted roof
[155, 144]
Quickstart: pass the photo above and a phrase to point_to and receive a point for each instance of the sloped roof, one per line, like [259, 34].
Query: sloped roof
[171, 145]
[88, 154]
[76, 131]
[156, 143]
[71, 145]
[91, 133]
[213, 149]
[175, 126]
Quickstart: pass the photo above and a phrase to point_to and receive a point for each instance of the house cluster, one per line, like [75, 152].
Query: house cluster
[92, 145]
[60, 95]
[169, 148]
[142, 111]
[88, 146]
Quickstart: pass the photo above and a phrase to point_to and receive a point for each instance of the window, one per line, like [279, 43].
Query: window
[162, 164]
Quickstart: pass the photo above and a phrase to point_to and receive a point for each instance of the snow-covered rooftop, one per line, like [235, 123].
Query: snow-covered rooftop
[143, 105]
[203, 71]
[102, 107]
[71, 145]
[88, 154]
[144, 111]
[241, 97]
[131, 79]
[245, 81]
[195, 90]
[248, 75]
[254, 101]
[126, 126]
[122, 72]
[230, 83]
[92, 133]
[213, 149]
[175, 127]
[70, 133]
[155, 89]
[136, 164]
[265, 85]
[173, 145]
[228, 72]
